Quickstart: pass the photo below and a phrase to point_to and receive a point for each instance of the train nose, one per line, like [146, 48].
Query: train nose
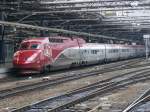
[16, 57]
[25, 57]
[31, 58]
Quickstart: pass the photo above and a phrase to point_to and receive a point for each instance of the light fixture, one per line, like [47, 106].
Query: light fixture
[134, 3]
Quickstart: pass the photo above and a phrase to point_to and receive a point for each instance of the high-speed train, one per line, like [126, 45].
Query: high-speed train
[51, 53]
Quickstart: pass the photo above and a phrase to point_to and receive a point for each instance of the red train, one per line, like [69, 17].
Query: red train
[51, 53]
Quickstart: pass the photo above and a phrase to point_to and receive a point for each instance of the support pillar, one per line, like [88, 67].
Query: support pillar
[2, 51]
[42, 33]
[2, 44]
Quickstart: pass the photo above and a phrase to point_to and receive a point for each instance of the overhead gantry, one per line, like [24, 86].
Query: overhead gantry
[54, 30]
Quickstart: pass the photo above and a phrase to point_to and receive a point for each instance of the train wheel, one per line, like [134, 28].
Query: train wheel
[48, 68]
[43, 70]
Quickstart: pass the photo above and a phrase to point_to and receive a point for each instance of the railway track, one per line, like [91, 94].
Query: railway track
[145, 97]
[58, 103]
[47, 83]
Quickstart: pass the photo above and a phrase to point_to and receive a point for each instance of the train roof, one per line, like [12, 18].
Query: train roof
[61, 38]
[42, 39]
[49, 39]
[113, 45]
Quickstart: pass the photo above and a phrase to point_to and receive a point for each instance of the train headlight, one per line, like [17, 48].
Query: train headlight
[16, 56]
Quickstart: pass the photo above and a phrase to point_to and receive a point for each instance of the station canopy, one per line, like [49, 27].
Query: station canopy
[123, 19]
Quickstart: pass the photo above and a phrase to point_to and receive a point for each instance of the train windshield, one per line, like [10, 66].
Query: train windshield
[34, 46]
[28, 46]
[24, 46]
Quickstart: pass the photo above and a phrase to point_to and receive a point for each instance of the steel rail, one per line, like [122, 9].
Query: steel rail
[66, 78]
[124, 62]
[112, 86]
[143, 100]
[137, 101]
[10, 78]
[82, 94]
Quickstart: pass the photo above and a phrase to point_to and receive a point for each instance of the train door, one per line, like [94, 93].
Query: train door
[109, 53]
[44, 58]
[49, 53]
[105, 52]
[101, 53]
[80, 52]
[83, 55]
[119, 50]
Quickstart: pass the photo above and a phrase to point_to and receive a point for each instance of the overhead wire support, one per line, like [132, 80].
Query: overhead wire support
[13, 24]
[84, 1]
[86, 10]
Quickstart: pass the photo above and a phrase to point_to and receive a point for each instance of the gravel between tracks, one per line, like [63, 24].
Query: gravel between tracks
[34, 79]
[31, 97]
[117, 101]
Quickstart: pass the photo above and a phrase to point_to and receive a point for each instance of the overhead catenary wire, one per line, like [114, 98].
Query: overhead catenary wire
[13, 24]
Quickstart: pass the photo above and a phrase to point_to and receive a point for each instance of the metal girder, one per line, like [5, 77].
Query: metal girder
[107, 29]
[92, 7]
[96, 5]
[81, 4]
[55, 2]
[127, 19]
[93, 25]
[59, 31]
[117, 23]
[106, 24]
[105, 14]
[35, 17]
[84, 1]
[64, 20]
[72, 20]
[87, 10]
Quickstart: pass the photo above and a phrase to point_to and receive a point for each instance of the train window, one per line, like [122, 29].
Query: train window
[24, 46]
[113, 50]
[34, 46]
[94, 51]
[27, 45]
[54, 40]
[125, 50]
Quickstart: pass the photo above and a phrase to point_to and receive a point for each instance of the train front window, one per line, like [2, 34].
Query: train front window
[34, 46]
[28, 46]
[24, 46]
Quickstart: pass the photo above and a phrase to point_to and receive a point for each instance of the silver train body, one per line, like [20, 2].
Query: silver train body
[94, 53]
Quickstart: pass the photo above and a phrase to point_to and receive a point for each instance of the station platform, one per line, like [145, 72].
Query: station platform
[5, 67]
